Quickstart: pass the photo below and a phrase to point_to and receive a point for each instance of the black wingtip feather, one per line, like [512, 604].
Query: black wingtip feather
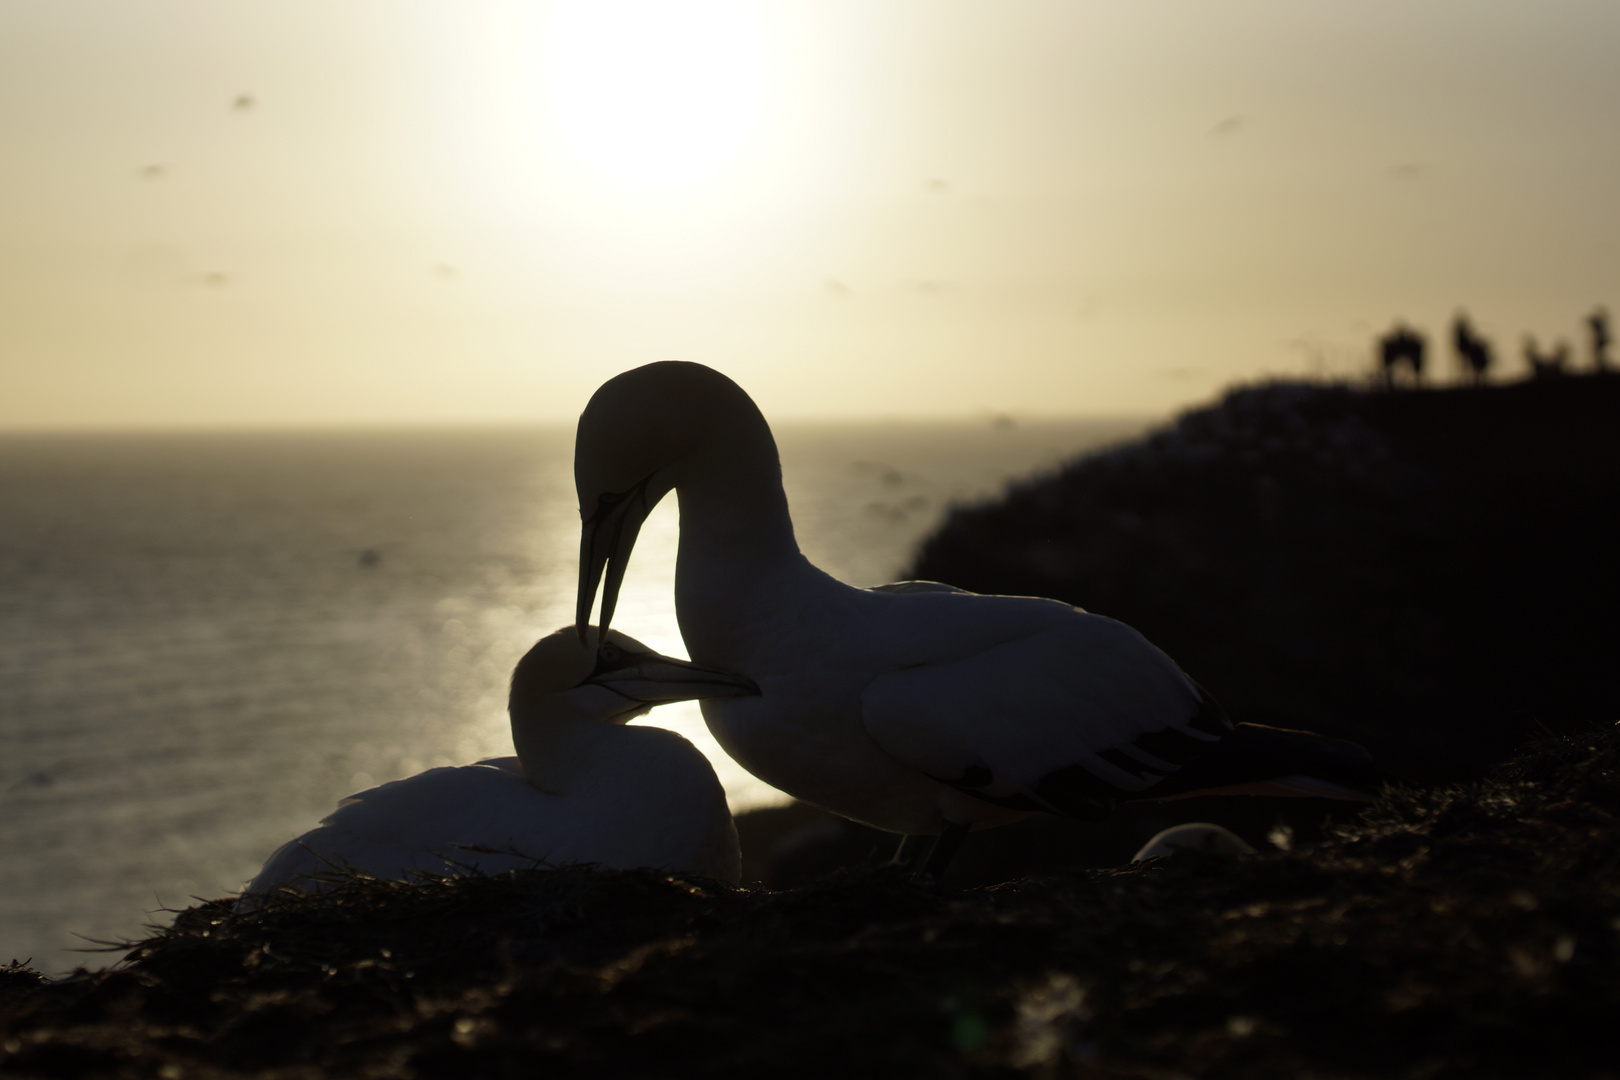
[1255, 753]
[1211, 719]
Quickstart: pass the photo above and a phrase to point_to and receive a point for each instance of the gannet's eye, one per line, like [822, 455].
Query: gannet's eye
[610, 653]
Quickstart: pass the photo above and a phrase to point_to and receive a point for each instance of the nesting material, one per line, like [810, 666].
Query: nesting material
[1465, 931]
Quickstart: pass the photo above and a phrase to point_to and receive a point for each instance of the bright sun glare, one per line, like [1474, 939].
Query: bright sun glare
[657, 94]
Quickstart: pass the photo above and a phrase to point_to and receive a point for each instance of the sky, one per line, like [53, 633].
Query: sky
[393, 212]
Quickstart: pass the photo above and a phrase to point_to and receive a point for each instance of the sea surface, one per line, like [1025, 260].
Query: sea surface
[207, 640]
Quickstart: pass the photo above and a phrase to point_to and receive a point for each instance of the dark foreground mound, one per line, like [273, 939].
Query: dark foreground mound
[1463, 932]
[1434, 574]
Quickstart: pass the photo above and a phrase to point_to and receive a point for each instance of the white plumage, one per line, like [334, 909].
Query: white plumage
[916, 708]
[584, 788]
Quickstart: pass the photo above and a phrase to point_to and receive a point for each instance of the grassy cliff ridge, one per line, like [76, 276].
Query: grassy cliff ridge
[1433, 573]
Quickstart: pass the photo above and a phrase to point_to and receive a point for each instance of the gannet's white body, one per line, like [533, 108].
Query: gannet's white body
[913, 708]
[583, 788]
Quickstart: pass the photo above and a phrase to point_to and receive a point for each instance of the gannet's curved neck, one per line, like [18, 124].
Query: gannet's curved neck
[557, 749]
[733, 496]
[736, 543]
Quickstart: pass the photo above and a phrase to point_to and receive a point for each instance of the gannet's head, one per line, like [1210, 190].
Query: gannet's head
[618, 681]
[641, 433]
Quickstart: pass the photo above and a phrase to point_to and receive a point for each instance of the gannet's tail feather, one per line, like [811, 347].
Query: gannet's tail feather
[1253, 759]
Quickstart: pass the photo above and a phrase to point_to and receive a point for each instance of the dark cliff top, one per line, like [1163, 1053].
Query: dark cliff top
[1433, 573]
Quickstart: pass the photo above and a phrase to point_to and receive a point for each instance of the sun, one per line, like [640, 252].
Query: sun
[656, 95]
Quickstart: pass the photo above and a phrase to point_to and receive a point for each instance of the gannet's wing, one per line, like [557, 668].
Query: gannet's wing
[418, 823]
[1070, 719]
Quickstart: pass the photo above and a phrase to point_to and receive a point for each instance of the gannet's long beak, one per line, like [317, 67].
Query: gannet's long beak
[605, 542]
[652, 679]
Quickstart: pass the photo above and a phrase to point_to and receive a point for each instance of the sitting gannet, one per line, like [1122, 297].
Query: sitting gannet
[583, 788]
[915, 708]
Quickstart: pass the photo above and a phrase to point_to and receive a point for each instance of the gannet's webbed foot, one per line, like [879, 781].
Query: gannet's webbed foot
[944, 850]
[912, 850]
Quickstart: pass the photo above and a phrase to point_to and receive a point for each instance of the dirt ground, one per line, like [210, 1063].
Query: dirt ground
[1470, 931]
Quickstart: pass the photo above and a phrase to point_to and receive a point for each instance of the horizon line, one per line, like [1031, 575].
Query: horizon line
[290, 427]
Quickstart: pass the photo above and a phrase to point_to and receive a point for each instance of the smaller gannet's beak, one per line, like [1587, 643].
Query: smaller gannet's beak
[606, 539]
[652, 679]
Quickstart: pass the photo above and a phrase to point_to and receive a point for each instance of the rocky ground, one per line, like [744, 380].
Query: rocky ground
[1422, 571]
[1469, 931]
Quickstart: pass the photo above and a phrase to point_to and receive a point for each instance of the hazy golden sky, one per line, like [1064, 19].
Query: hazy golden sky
[333, 211]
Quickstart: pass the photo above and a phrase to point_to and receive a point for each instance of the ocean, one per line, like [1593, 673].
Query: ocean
[207, 640]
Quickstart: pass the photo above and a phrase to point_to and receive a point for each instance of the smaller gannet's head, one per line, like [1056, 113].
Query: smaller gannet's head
[639, 434]
[617, 681]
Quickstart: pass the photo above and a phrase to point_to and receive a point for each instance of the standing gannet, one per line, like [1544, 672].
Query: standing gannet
[915, 708]
[583, 788]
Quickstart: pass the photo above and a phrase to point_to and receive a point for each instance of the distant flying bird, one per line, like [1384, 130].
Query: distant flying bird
[583, 787]
[916, 708]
